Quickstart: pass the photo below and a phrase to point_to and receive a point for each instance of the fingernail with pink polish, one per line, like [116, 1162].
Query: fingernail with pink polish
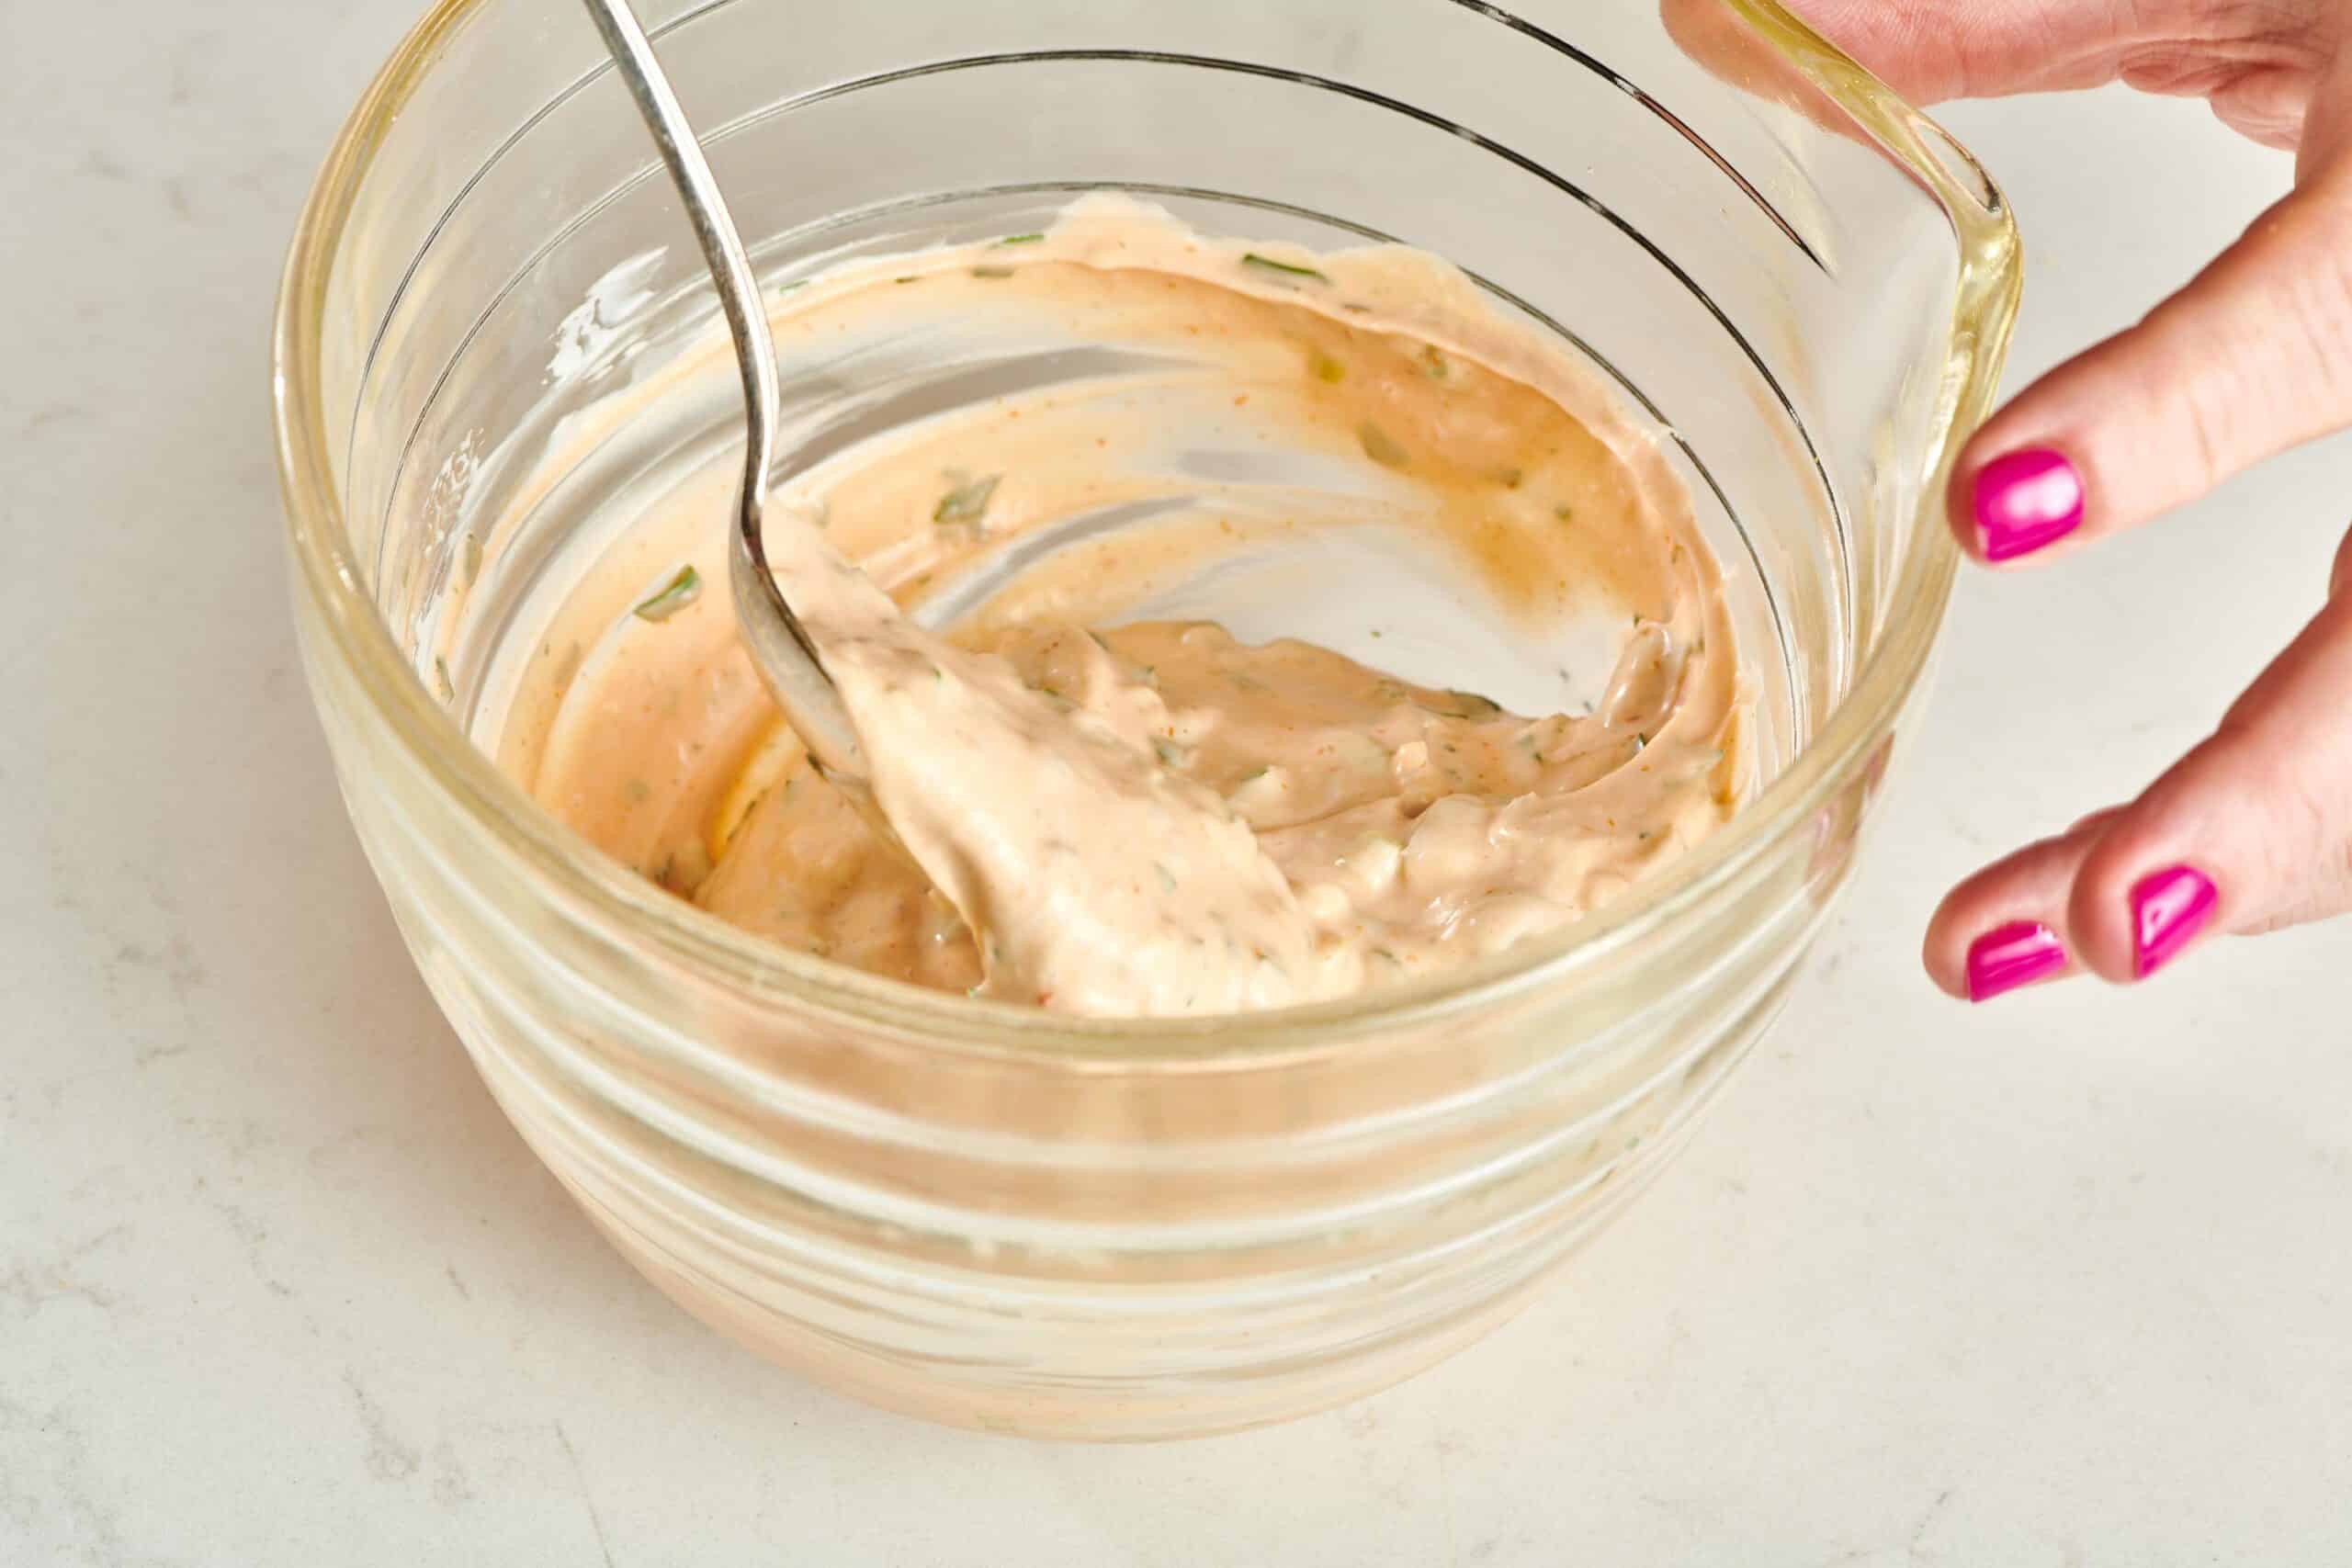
[2026, 501]
[2012, 955]
[2168, 909]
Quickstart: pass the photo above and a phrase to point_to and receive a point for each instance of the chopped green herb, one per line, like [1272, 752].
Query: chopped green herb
[1021, 240]
[1354, 308]
[1434, 364]
[967, 503]
[441, 675]
[1096, 638]
[1381, 446]
[1268, 264]
[788, 287]
[675, 595]
[689, 867]
[1323, 367]
[1166, 877]
[992, 272]
[1169, 752]
[1565, 513]
[910, 278]
[1472, 706]
[1250, 778]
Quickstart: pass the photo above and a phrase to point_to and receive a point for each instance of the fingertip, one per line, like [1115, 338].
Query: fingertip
[2012, 956]
[2098, 915]
[1943, 951]
[2139, 918]
[2144, 896]
[1944, 957]
[2204, 849]
[2003, 928]
[2240, 364]
[2172, 909]
[2012, 499]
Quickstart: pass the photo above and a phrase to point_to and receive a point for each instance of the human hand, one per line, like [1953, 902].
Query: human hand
[2251, 830]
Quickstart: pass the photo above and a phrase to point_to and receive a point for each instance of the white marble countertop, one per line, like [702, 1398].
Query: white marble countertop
[2061, 1281]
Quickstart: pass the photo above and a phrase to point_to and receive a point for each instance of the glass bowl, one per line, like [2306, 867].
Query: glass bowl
[1081, 1228]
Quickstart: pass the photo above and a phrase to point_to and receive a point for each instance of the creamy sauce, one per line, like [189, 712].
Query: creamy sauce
[1152, 818]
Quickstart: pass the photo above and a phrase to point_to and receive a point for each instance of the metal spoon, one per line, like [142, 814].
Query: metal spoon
[779, 645]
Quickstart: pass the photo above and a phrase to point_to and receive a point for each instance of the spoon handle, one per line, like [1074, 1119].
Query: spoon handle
[778, 644]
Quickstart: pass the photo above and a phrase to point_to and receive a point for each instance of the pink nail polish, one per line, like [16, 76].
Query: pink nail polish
[2168, 908]
[2012, 955]
[2025, 501]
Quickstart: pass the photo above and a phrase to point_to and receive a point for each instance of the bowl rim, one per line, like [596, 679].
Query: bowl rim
[328, 571]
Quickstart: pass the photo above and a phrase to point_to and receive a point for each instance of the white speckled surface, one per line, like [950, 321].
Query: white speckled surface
[2059, 1282]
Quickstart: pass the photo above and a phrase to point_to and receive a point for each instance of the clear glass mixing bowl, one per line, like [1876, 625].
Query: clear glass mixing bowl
[1033, 1224]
